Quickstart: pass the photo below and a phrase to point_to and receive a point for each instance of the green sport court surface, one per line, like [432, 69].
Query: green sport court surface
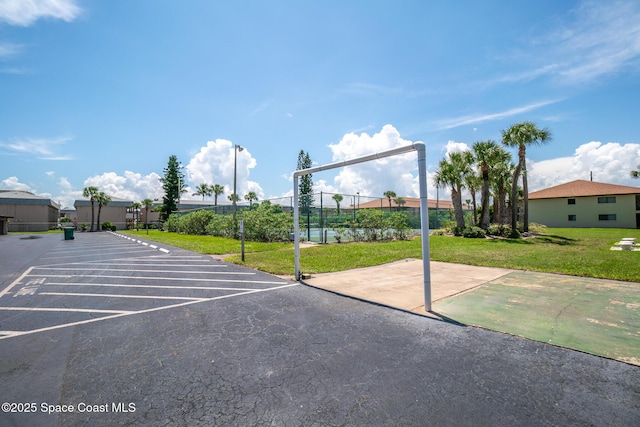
[600, 317]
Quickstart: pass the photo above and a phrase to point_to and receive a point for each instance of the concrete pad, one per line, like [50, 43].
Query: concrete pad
[400, 284]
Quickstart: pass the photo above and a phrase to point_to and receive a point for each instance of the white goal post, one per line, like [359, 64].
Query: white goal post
[424, 213]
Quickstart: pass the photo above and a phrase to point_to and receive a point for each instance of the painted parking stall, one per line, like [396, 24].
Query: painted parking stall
[101, 276]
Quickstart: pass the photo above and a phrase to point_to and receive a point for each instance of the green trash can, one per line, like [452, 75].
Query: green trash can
[68, 233]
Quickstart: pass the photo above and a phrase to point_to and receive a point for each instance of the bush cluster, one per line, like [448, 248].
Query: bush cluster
[264, 223]
[372, 224]
[108, 226]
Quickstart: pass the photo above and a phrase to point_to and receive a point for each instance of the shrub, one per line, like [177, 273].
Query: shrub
[537, 228]
[195, 222]
[267, 223]
[108, 226]
[84, 227]
[473, 232]
[397, 221]
[221, 226]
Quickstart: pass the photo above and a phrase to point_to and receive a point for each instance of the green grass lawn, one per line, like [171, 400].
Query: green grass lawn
[578, 252]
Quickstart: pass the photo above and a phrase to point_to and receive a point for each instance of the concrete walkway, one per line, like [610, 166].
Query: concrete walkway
[596, 316]
[400, 284]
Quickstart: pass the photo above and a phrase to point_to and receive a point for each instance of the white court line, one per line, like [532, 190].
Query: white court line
[197, 288]
[150, 310]
[175, 279]
[234, 273]
[70, 310]
[74, 294]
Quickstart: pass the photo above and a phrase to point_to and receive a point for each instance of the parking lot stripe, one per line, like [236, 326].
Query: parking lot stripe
[66, 310]
[174, 279]
[235, 273]
[197, 288]
[15, 282]
[150, 310]
[74, 294]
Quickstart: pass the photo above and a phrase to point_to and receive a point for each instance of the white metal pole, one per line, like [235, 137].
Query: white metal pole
[296, 229]
[424, 222]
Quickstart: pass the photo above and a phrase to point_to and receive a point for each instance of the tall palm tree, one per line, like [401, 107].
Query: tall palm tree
[488, 155]
[500, 176]
[217, 190]
[521, 135]
[337, 198]
[103, 200]
[147, 203]
[400, 201]
[473, 182]
[233, 197]
[250, 197]
[91, 192]
[452, 172]
[636, 174]
[202, 190]
[390, 194]
[135, 206]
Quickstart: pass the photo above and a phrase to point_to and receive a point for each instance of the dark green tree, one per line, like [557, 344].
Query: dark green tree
[173, 186]
[305, 187]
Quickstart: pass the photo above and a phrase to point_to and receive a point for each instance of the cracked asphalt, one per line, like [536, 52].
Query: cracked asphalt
[296, 356]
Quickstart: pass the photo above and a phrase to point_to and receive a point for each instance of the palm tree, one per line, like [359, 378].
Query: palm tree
[250, 197]
[103, 200]
[147, 203]
[233, 197]
[338, 198]
[389, 194]
[636, 174]
[500, 175]
[90, 192]
[400, 201]
[521, 135]
[472, 182]
[202, 190]
[217, 190]
[135, 206]
[488, 155]
[452, 173]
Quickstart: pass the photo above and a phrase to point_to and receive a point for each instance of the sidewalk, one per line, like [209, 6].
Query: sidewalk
[400, 284]
[596, 316]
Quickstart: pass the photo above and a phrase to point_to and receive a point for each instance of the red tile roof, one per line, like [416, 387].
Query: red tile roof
[582, 188]
[410, 202]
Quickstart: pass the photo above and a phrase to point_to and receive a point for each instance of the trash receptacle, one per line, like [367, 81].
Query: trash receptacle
[68, 233]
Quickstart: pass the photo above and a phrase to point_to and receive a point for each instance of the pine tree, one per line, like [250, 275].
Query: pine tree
[305, 188]
[173, 178]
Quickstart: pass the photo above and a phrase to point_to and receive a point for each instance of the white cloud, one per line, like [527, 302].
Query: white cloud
[9, 49]
[598, 39]
[398, 173]
[214, 164]
[26, 12]
[480, 118]
[13, 183]
[611, 163]
[132, 186]
[45, 149]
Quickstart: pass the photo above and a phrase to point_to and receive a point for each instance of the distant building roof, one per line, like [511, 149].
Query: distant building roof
[115, 202]
[582, 188]
[18, 197]
[409, 202]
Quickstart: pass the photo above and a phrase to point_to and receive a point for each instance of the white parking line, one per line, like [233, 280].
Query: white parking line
[234, 273]
[74, 294]
[66, 310]
[197, 288]
[10, 334]
[174, 279]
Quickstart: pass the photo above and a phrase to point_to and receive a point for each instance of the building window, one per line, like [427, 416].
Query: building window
[638, 202]
[607, 217]
[608, 199]
[571, 201]
[572, 218]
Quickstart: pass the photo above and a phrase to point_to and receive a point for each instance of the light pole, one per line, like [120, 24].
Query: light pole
[236, 148]
[179, 194]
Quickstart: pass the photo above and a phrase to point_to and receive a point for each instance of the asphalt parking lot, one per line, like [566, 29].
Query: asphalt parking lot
[105, 331]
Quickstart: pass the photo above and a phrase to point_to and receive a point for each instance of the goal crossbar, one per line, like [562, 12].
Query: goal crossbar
[420, 148]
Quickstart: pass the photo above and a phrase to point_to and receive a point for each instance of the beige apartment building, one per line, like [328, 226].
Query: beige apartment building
[24, 211]
[586, 204]
[115, 212]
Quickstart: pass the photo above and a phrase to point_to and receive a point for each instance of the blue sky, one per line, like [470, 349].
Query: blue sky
[103, 92]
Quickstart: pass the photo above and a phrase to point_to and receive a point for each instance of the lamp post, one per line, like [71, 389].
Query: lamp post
[179, 194]
[236, 148]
